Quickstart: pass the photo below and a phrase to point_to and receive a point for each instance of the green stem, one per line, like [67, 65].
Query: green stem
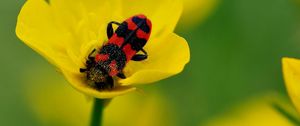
[96, 117]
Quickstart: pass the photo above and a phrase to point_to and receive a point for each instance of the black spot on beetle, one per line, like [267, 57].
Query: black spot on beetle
[137, 43]
[141, 23]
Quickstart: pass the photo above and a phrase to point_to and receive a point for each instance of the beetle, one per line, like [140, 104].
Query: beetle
[123, 45]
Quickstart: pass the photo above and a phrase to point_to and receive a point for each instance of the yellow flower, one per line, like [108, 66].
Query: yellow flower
[258, 111]
[53, 102]
[66, 31]
[291, 73]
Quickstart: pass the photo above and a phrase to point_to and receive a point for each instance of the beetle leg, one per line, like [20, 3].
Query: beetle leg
[90, 59]
[144, 51]
[121, 75]
[90, 55]
[140, 57]
[110, 30]
[82, 70]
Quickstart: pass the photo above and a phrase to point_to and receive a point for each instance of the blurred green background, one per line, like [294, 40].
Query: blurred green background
[235, 53]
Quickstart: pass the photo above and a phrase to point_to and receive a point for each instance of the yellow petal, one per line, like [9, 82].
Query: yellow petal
[164, 14]
[37, 29]
[61, 30]
[167, 57]
[86, 20]
[291, 73]
[77, 80]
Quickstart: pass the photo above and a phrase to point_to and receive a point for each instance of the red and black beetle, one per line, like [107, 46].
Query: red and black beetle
[122, 46]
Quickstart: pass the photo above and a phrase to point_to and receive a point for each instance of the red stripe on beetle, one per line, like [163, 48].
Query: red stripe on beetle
[141, 34]
[131, 24]
[116, 40]
[101, 57]
[129, 52]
